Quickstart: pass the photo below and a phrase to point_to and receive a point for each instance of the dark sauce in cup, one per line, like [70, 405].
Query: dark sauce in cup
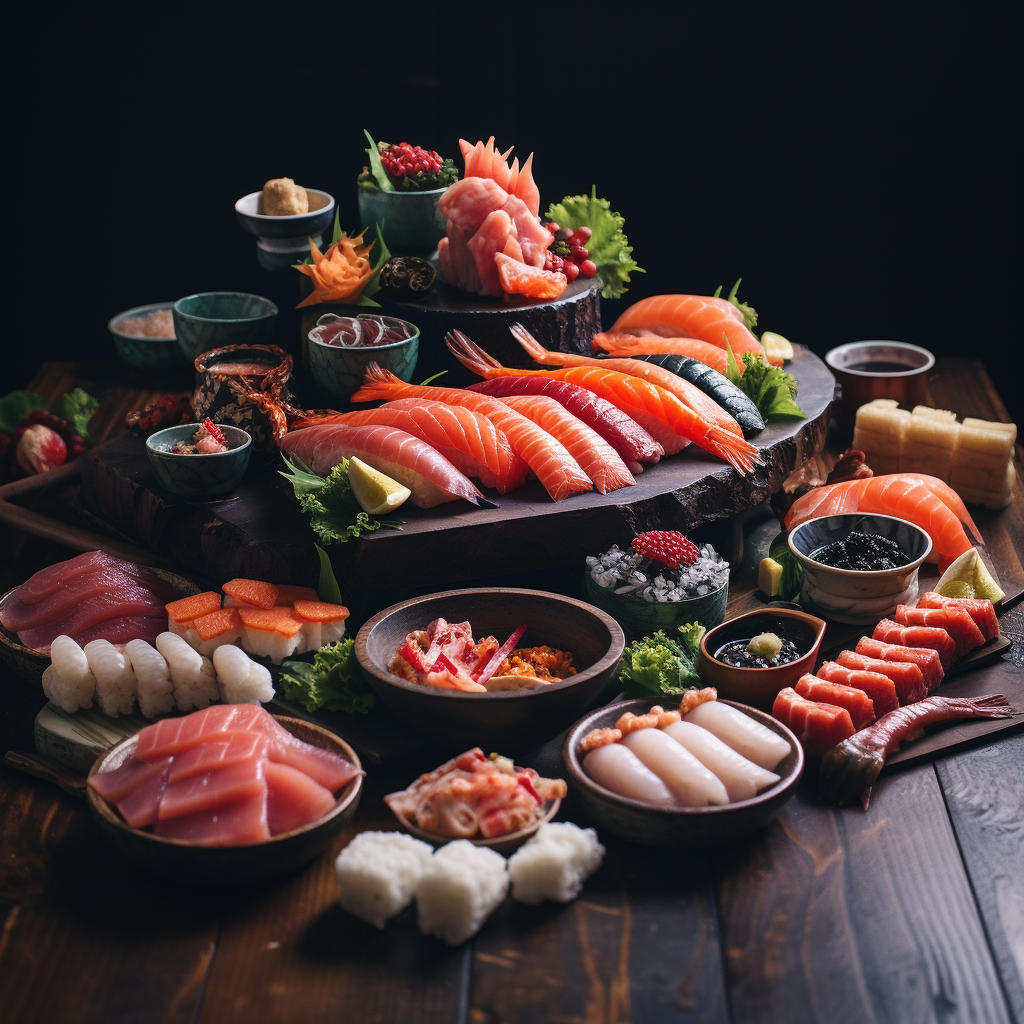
[735, 653]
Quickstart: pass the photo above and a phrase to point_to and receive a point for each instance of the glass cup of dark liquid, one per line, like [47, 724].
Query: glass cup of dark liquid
[877, 369]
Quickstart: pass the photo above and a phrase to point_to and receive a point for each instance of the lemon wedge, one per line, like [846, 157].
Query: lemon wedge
[375, 492]
[969, 577]
[776, 347]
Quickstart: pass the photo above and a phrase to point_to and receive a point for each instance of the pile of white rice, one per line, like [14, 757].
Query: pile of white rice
[633, 574]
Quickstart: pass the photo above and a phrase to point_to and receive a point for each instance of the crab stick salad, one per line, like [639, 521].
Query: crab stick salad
[704, 754]
[267, 620]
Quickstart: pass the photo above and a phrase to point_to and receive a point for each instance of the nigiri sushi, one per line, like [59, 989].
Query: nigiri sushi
[274, 633]
[322, 623]
[208, 632]
[241, 680]
[68, 680]
[756, 742]
[742, 778]
[193, 678]
[115, 678]
[152, 678]
[689, 781]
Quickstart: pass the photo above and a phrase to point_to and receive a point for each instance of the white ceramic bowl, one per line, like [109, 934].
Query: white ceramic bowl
[858, 596]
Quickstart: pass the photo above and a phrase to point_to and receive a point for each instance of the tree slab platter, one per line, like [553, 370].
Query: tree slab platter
[259, 533]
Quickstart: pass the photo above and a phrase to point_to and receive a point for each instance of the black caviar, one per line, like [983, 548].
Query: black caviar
[736, 653]
[866, 552]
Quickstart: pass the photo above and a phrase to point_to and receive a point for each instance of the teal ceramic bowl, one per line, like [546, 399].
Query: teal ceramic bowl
[201, 477]
[210, 320]
[338, 370]
[145, 353]
[410, 222]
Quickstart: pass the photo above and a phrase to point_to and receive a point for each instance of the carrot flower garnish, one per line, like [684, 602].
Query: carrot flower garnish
[339, 274]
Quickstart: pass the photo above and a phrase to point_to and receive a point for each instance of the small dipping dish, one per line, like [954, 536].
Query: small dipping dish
[284, 241]
[858, 596]
[199, 477]
[878, 369]
[208, 320]
[758, 687]
[145, 351]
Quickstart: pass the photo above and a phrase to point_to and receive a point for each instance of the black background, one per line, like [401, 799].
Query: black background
[852, 166]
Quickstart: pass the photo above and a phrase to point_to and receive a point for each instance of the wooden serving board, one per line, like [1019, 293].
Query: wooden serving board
[258, 532]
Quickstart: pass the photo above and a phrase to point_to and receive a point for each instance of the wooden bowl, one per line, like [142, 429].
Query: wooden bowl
[192, 863]
[506, 844]
[760, 686]
[509, 720]
[30, 665]
[682, 828]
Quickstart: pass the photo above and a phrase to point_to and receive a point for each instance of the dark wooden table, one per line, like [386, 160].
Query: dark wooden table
[913, 911]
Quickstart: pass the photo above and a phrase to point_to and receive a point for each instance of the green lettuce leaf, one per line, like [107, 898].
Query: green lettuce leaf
[749, 313]
[772, 390]
[380, 176]
[78, 407]
[608, 246]
[792, 578]
[333, 682]
[659, 665]
[15, 406]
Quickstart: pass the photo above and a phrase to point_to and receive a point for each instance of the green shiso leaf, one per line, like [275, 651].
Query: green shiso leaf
[608, 247]
[373, 285]
[380, 176]
[792, 578]
[15, 406]
[332, 683]
[659, 665]
[327, 588]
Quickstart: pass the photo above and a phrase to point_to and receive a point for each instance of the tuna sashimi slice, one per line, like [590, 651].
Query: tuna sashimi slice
[818, 727]
[213, 789]
[47, 580]
[115, 785]
[857, 702]
[906, 674]
[957, 622]
[141, 805]
[122, 629]
[293, 798]
[235, 824]
[932, 637]
[878, 686]
[172, 736]
[219, 750]
[980, 609]
[926, 660]
[328, 769]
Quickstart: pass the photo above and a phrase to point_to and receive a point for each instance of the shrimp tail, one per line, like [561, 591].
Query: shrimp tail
[471, 355]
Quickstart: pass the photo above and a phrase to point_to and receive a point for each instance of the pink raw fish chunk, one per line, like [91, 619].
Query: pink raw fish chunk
[220, 750]
[213, 789]
[171, 736]
[141, 806]
[234, 824]
[293, 798]
[329, 770]
[117, 784]
[47, 580]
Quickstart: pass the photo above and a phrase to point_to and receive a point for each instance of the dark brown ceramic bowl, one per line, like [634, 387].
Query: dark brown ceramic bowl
[682, 828]
[760, 686]
[30, 665]
[510, 720]
[191, 863]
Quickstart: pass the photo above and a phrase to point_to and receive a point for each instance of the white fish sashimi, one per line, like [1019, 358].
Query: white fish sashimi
[115, 677]
[153, 678]
[241, 680]
[754, 741]
[742, 778]
[72, 678]
[620, 770]
[192, 676]
[690, 782]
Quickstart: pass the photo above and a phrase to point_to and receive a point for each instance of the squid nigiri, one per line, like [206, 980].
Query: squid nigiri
[617, 768]
[742, 778]
[690, 782]
[756, 742]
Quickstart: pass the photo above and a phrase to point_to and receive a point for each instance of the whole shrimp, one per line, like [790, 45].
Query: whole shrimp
[850, 768]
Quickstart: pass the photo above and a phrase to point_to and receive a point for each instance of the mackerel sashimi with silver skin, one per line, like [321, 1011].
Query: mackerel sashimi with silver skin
[430, 477]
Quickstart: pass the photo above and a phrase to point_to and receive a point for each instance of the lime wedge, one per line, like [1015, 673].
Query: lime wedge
[776, 347]
[375, 492]
[969, 573]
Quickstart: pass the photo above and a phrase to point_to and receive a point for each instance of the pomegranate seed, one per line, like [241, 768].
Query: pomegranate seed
[588, 268]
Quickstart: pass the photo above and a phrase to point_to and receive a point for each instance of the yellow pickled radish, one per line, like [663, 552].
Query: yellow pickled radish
[776, 347]
[375, 492]
[969, 572]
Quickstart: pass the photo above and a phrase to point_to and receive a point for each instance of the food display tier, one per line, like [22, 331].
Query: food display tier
[259, 533]
[565, 324]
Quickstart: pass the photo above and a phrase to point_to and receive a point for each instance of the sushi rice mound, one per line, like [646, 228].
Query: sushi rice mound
[378, 873]
[629, 573]
[555, 863]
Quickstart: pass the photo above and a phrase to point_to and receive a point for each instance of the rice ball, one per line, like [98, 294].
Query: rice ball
[461, 887]
[554, 863]
[378, 873]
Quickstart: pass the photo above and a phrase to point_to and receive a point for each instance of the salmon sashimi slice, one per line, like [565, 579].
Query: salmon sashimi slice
[686, 392]
[640, 345]
[328, 769]
[430, 477]
[171, 736]
[596, 457]
[188, 608]
[926, 660]
[818, 727]
[980, 609]
[522, 279]
[931, 637]
[556, 469]
[634, 445]
[486, 161]
[116, 784]
[240, 823]
[293, 798]
[822, 691]
[669, 421]
[468, 439]
[906, 674]
[897, 494]
[892, 693]
[489, 241]
[468, 202]
[250, 592]
[692, 316]
[213, 789]
[220, 750]
[955, 621]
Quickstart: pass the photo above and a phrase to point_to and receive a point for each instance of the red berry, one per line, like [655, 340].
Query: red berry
[669, 547]
[588, 268]
[584, 234]
[552, 227]
[570, 270]
[578, 253]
